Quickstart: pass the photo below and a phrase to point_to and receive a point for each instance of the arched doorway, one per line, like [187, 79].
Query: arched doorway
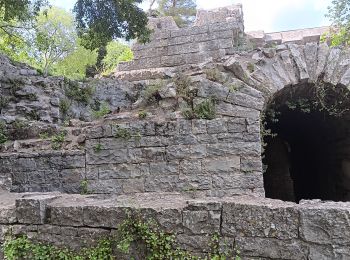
[306, 133]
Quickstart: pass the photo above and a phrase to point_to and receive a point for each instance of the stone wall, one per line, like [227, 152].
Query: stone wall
[28, 96]
[213, 158]
[259, 228]
[214, 35]
[43, 171]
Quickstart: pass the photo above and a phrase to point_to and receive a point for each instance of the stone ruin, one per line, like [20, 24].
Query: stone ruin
[154, 152]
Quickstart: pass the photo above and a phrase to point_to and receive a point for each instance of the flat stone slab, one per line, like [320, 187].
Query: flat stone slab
[259, 227]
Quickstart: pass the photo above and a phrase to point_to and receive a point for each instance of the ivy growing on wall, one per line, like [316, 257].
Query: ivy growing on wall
[135, 237]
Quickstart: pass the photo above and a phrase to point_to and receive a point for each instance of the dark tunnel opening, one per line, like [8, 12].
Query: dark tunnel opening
[307, 155]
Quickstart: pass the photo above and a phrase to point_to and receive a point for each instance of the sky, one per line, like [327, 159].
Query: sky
[266, 15]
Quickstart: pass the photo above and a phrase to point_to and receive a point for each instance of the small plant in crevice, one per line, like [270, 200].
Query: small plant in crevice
[98, 148]
[33, 115]
[251, 67]
[126, 134]
[44, 135]
[78, 93]
[64, 106]
[142, 114]
[184, 90]
[151, 93]
[84, 189]
[221, 250]
[3, 133]
[4, 102]
[57, 140]
[15, 86]
[103, 111]
[269, 115]
[214, 74]
[204, 110]
[232, 88]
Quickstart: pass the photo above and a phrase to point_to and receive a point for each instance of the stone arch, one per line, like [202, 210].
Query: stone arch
[314, 163]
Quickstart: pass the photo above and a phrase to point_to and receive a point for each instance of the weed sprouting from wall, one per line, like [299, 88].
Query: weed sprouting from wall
[135, 237]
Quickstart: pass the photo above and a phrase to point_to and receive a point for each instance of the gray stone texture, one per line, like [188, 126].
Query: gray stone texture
[259, 228]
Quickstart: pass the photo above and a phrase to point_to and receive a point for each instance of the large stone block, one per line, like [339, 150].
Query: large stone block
[268, 248]
[107, 156]
[249, 217]
[202, 218]
[325, 223]
[32, 210]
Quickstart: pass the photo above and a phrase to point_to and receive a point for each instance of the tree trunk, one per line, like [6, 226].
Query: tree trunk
[150, 6]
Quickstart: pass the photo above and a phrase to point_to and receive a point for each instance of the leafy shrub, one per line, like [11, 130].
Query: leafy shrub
[104, 110]
[204, 110]
[215, 74]
[58, 140]
[151, 94]
[152, 244]
[142, 114]
[78, 93]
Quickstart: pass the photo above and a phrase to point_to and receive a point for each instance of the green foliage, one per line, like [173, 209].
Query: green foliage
[22, 248]
[64, 106]
[33, 115]
[142, 114]
[104, 110]
[44, 135]
[215, 74]
[183, 89]
[183, 11]
[3, 134]
[151, 94]
[55, 36]
[4, 101]
[251, 67]
[99, 22]
[84, 188]
[74, 65]
[116, 53]
[98, 148]
[21, 10]
[151, 243]
[339, 14]
[78, 93]
[204, 110]
[58, 140]
[125, 134]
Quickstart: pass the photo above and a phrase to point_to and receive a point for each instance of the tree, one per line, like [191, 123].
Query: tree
[339, 14]
[183, 11]
[116, 53]
[74, 65]
[99, 22]
[55, 37]
[20, 11]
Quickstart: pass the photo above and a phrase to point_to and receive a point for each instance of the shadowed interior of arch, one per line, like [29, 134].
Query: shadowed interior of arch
[308, 155]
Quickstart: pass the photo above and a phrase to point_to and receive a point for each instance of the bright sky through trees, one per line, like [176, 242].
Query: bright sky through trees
[267, 15]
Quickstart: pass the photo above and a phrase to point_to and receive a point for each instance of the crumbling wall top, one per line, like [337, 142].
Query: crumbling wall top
[232, 13]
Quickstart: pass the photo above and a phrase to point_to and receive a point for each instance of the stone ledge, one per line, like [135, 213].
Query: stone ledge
[261, 227]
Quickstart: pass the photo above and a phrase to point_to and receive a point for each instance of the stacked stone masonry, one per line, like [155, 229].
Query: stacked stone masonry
[259, 228]
[168, 162]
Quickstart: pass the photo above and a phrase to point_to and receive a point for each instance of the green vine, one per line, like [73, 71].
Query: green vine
[135, 237]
